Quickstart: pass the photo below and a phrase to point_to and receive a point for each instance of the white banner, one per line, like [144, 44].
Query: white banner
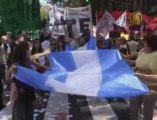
[71, 21]
[105, 24]
[57, 23]
[80, 19]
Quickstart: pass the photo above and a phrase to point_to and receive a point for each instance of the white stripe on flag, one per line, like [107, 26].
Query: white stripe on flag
[57, 103]
[83, 47]
[93, 77]
[101, 109]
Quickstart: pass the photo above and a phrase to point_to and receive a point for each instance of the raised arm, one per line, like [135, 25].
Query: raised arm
[35, 57]
[151, 78]
[130, 57]
[9, 72]
[38, 55]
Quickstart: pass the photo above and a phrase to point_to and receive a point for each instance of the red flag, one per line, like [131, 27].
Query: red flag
[152, 24]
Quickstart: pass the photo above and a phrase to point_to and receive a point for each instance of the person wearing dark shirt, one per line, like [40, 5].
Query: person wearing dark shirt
[23, 96]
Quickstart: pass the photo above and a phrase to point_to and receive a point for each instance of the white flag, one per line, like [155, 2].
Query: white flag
[105, 24]
[122, 20]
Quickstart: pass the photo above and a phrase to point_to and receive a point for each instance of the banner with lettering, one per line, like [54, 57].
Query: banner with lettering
[57, 23]
[79, 20]
[70, 21]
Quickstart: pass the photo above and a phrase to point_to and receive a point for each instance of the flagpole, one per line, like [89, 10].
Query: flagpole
[91, 21]
[126, 19]
[141, 29]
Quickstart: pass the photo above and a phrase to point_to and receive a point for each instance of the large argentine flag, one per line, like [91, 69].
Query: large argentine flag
[99, 73]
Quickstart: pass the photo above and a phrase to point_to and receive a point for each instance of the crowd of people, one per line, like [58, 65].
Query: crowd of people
[22, 50]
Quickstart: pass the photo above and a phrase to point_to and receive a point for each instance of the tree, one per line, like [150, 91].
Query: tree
[44, 10]
[20, 14]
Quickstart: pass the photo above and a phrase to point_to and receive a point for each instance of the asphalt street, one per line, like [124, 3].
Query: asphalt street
[58, 106]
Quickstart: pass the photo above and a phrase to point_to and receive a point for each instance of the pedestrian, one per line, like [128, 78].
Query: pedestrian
[5, 51]
[146, 64]
[133, 45]
[23, 97]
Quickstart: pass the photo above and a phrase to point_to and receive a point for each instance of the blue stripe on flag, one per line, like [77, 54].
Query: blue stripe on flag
[91, 45]
[69, 47]
[117, 78]
[59, 65]
[64, 58]
[32, 78]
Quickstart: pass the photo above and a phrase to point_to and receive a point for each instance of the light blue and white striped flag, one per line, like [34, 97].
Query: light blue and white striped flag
[99, 73]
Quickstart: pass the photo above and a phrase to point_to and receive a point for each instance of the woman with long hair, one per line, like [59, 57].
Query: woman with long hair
[22, 95]
[61, 43]
[36, 48]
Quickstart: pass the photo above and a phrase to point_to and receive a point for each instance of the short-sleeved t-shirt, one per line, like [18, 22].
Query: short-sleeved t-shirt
[147, 63]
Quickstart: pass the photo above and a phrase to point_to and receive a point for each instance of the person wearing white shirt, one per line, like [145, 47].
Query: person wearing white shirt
[133, 46]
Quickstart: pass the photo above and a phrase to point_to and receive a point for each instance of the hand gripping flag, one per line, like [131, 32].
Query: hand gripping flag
[98, 73]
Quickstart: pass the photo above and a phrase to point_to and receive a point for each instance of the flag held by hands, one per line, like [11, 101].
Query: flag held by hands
[98, 73]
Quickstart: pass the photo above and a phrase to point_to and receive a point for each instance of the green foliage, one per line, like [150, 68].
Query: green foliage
[20, 14]
[44, 10]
